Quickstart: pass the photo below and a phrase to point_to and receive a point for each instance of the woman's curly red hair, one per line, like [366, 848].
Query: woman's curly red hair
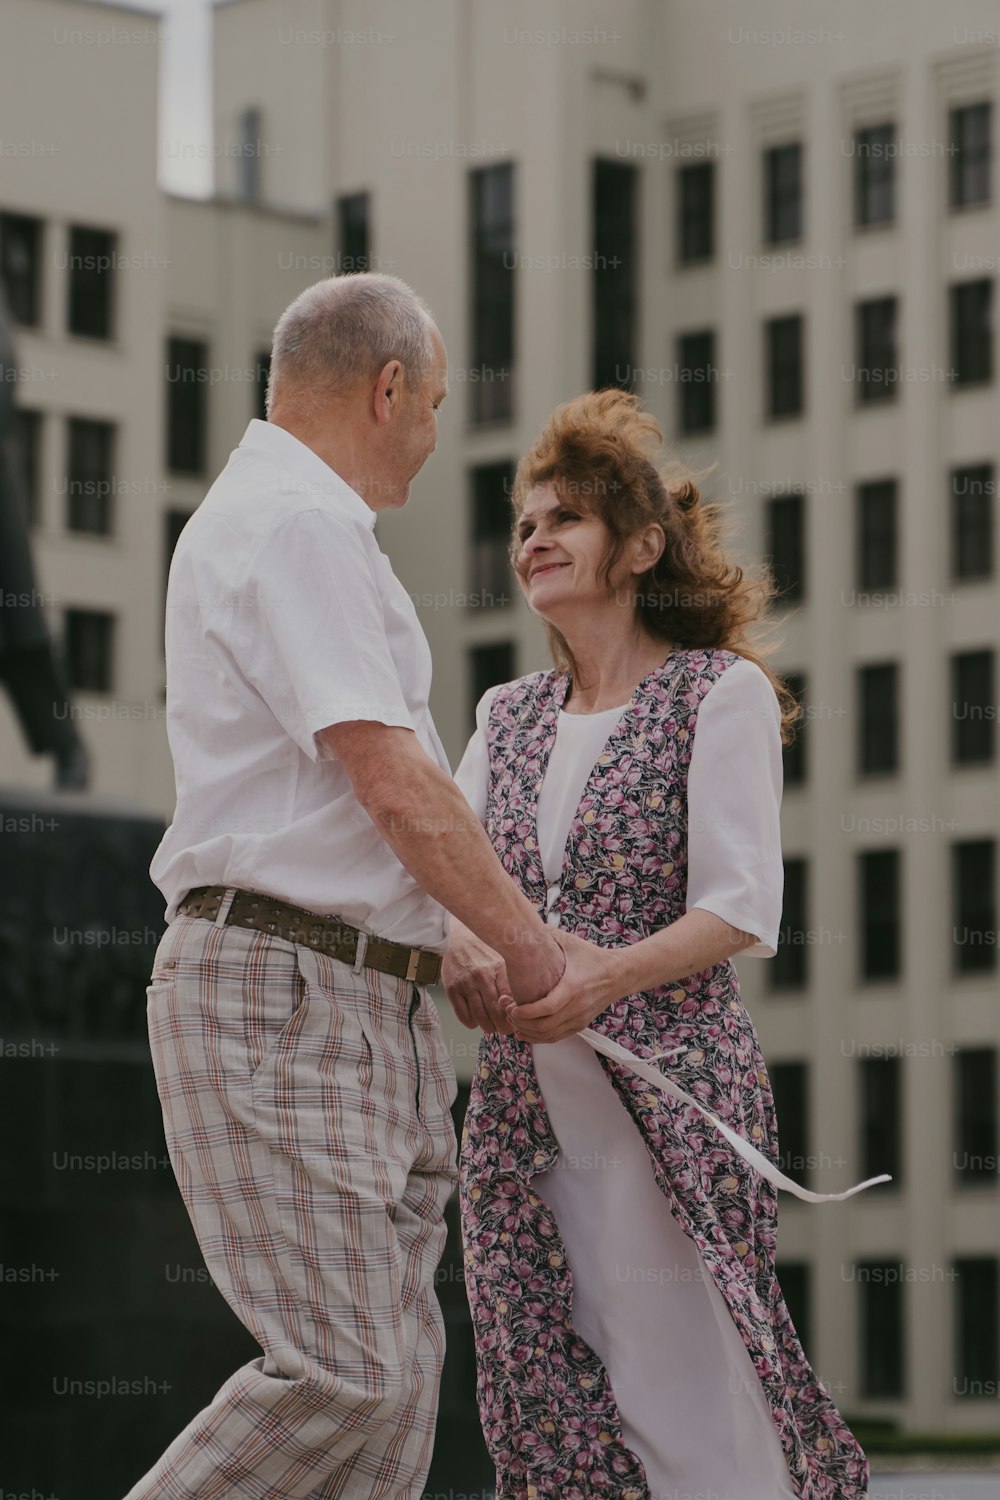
[603, 452]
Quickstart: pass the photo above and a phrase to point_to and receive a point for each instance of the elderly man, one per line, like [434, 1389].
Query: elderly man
[317, 845]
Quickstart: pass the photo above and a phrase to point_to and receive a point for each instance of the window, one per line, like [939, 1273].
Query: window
[977, 1326]
[92, 257]
[263, 368]
[880, 1284]
[976, 1114]
[90, 475]
[353, 233]
[492, 518]
[972, 491]
[795, 756]
[615, 284]
[21, 267]
[786, 550]
[970, 155]
[875, 175]
[877, 541]
[489, 665]
[877, 364]
[879, 913]
[785, 374]
[187, 405]
[25, 449]
[972, 332]
[695, 212]
[174, 522]
[974, 906]
[881, 1134]
[973, 707]
[88, 646]
[783, 193]
[790, 1087]
[788, 969]
[878, 719]
[250, 128]
[794, 1279]
[492, 316]
[696, 376]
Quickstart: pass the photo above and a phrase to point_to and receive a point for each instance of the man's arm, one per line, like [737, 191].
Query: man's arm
[437, 838]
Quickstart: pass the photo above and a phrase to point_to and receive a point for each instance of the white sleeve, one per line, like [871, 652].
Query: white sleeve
[309, 632]
[473, 774]
[734, 799]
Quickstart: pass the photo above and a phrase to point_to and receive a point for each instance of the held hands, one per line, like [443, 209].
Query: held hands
[475, 978]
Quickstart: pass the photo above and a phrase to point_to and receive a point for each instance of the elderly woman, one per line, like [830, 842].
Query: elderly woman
[632, 1339]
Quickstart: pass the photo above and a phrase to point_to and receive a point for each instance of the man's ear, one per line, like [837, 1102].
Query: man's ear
[386, 393]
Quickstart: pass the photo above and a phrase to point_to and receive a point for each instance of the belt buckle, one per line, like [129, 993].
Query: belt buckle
[413, 964]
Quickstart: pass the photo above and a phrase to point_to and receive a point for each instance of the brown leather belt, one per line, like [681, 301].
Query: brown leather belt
[330, 935]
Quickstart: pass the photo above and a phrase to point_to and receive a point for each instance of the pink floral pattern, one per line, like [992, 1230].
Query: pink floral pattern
[547, 1409]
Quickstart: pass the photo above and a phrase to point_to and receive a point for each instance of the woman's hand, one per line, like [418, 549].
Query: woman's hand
[593, 979]
[475, 980]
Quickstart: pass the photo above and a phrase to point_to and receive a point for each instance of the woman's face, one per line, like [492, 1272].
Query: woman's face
[560, 548]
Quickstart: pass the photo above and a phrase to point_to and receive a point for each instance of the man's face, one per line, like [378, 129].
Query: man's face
[416, 425]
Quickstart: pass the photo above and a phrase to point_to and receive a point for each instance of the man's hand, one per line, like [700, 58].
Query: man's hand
[592, 980]
[475, 979]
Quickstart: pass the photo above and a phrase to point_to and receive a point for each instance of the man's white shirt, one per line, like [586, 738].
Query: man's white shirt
[283, 617]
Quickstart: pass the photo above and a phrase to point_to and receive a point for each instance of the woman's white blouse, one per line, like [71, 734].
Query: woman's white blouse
[734, 798]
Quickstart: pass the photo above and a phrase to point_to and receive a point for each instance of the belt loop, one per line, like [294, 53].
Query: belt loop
[362, 949]
[227, 901]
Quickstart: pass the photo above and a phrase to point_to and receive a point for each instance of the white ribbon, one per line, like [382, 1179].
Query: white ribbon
[742, 1148]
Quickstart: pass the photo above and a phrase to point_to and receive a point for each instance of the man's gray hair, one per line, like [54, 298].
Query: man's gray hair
[346, 329]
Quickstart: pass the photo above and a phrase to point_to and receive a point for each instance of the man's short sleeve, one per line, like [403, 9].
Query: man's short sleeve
[309, 631]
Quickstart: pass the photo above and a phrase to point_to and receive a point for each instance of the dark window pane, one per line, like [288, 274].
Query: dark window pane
[879, 905]
[491, 360]
[790, 1087]
[25, 451]
[795, 756]
[970, 155]
[976, 1114]
[251, 148]
[696, 378]
[878, 719]
[786, 552]
[263, 364]
[972, 332]
[88, 647]
[880, 1285]
[492, 517]
[881, 1091]
[90, 475]
[615, 286]
[785, 373]
[974, 906]
[875, 175]
[187, 405]
[876, 533]
[92, 257]
[973, 707]
[972, 491]
[489, 665]
[788, 969]
[795, 1281]
[783, 197]
[695, 212]
[977, 1327]
[876, 371]
[353, 233]
[21, 267]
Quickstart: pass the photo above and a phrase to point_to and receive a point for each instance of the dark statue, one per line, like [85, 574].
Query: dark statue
[29, 667]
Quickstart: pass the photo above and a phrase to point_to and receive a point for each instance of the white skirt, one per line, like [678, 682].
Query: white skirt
[691, 1404]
